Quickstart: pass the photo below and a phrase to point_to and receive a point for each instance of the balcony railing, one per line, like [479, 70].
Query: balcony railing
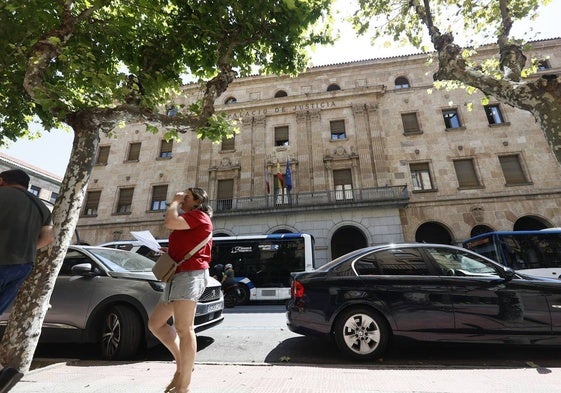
[390, 195]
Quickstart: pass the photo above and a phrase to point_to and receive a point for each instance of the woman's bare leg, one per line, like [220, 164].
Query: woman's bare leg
[184, 317]
[166, 334]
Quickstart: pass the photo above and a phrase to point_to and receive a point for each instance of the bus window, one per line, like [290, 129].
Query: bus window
[531, 252]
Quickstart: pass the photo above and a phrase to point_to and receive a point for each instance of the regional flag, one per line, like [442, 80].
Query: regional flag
[279, 177]
[288, 176]
[267, 183]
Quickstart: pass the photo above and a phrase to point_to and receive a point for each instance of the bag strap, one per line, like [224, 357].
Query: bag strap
[195, 249]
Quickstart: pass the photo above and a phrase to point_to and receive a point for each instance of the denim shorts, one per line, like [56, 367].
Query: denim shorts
[188, 285]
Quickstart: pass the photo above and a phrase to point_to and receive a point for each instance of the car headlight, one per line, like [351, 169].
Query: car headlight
[157, 286]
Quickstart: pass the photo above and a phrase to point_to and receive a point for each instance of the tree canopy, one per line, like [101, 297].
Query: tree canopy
[93, 64]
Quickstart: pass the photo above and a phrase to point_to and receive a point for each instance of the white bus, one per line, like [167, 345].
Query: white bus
[263, 264]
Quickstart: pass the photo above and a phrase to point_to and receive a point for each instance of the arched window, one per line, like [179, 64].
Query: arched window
[280, 93]
[402, 83]
[333, 87]
[230, 100]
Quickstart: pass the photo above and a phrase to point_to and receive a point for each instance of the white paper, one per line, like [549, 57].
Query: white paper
[147, 239]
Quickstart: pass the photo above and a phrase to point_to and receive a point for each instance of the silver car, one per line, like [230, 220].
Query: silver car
[105, 296]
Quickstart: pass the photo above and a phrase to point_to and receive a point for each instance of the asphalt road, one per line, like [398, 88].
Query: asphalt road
[258, 334]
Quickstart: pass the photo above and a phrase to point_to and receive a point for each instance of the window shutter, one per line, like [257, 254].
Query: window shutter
[410, 122]
[512, 170]
[134, 152]
[103, 155]
[465, 172]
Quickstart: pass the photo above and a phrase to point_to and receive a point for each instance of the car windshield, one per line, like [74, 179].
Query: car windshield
[120, 261]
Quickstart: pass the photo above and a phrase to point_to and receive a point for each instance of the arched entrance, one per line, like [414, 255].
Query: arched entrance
[347, 239]
[480, 229]
[530, 223]
[433, 232]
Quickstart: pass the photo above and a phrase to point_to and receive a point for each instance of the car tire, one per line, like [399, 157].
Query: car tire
[244, 294]
[121, 333]
[361, 334]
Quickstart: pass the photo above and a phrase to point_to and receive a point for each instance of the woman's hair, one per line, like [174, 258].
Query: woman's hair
[201, 197]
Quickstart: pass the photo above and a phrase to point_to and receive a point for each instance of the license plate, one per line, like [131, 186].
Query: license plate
[215, 307]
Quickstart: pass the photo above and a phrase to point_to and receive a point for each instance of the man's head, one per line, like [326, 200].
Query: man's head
[14, 177]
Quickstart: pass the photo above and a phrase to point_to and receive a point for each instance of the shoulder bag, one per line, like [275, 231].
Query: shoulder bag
[165, 266]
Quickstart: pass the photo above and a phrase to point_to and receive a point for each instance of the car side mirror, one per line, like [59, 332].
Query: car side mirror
[82, 269]
[509, 274]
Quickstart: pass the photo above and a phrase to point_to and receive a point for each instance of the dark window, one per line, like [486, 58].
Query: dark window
[134, 151]
[512, 170]
[225, 194]
[54, 196]
[333, 87]
[543, 65]
[337, 128]
[159, 194]
[92, 203]
[35, 190]
[166, 148]
[72, 259]
[410, 123]
[420, 176]
[451, 118]
[402, 83]
[281, 136]
[102, 155]
[230, 100]
[465, 172]
[124, 204]
[280, 93]
[342, 179]
[228, 144]
[171, 110]
[402, 262]
[494, 114]
[367, 265]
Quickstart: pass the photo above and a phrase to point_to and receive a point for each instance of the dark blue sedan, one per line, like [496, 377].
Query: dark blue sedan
[426, 292]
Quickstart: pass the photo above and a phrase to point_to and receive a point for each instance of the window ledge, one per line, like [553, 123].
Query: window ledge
[163, 158]
[100, 164]
[122, 214]
[480, 187]
[424, 191]
[227, 151]
[131, 161]
[461, 128]
[519, 184]
[419, 132]
[504, 124]
[88, 215]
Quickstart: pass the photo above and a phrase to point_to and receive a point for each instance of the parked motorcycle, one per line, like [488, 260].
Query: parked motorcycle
[230, 287]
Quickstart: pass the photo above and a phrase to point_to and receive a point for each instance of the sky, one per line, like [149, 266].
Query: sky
[52, 151]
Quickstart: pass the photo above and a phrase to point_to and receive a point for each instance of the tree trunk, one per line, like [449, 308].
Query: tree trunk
[29, 308]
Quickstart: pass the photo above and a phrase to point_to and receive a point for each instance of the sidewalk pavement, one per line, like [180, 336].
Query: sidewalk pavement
[152, 377]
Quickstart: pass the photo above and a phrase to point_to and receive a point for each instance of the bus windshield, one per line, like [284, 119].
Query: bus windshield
[532, 252]
[264, 263]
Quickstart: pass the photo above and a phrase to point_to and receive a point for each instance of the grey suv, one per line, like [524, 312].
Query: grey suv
[105, 296]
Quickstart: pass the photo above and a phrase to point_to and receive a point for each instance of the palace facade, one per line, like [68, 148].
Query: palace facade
[355, 154]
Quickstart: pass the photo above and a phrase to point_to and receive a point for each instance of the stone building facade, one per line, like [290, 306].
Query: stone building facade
[43, 184]
[375, 154]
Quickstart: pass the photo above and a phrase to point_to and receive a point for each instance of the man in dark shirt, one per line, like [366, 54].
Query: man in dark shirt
[25, 226]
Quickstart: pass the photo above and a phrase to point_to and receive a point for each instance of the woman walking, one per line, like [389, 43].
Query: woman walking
[180, 296]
